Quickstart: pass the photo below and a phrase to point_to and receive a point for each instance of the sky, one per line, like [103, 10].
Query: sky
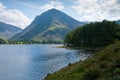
[22, 12]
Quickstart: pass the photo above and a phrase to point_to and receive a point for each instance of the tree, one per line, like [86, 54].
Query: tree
[68, 39]
[95, 34]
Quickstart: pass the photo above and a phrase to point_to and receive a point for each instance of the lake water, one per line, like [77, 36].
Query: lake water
[34, 62]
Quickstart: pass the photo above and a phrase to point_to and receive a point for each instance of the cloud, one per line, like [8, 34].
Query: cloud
[17, 18]
[97, 10]
[53, 4]
[29, 5]
[13, 16]
[2, 6]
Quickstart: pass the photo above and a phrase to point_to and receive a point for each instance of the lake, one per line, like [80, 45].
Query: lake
[34, 62]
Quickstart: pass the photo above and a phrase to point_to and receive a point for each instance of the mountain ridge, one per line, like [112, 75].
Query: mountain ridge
[7, 30]
[118, 21]
[50, 24]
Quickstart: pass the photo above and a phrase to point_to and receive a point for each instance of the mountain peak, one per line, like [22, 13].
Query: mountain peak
[53, 9]
[51, 25]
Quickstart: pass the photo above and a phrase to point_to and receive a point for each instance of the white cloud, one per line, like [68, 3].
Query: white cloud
[53, 4]
[29, 5]
[17, 18]
[2, 6]
[97, 10]
[13, 16]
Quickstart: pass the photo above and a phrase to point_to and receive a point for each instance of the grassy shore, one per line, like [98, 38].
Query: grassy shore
[104, 65]
[92, 49]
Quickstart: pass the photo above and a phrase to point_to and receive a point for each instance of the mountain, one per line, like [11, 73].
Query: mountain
[7, 31]
[50, 26]
[118, 21]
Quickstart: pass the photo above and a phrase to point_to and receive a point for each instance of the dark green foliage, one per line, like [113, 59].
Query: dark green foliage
[91, 74]
[95, 34]
[69, 37]
[2, 41]
[23, 42]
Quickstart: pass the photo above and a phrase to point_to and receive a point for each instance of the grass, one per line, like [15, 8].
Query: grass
[104, 65]
[57, 25]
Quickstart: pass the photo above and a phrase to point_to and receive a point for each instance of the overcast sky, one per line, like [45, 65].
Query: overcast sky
[21, 12]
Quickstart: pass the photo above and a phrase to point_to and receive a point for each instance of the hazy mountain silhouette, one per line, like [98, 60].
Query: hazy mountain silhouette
[7, 31]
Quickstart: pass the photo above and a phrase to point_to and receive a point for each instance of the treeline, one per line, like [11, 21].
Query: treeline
[51, 42]
[2, 41]
[95, 34]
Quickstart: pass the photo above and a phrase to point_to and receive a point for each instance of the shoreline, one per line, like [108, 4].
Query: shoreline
[82, 48]
[102, 62]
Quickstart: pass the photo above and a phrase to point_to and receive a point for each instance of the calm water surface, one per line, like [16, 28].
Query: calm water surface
[34, 62]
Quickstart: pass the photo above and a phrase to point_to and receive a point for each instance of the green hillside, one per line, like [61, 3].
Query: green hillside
[104, 65]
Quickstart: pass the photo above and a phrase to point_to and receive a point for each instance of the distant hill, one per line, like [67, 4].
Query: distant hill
[50, 26]
[118, 21]
[7, 31]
